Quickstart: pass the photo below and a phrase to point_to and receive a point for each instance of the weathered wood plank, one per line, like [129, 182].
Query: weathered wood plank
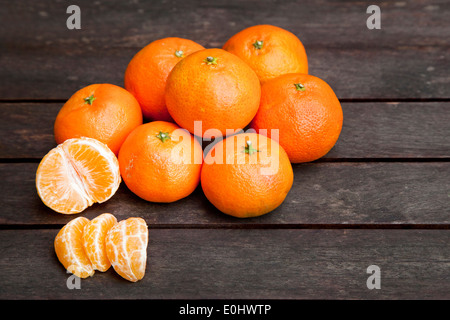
[370, 130]
[404, 59]
[393, 130]
[324, 194]
[406, 73]
[243, 264]
[26, 130]
[130, 23]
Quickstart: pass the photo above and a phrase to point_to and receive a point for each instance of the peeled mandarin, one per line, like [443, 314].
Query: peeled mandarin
[76, 174]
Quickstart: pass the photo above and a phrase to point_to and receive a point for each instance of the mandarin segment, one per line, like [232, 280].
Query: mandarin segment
[70, 250]
[94, 240]
[76, 174]
[126, 248]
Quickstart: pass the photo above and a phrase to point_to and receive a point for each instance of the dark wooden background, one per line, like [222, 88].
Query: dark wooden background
[381, 196]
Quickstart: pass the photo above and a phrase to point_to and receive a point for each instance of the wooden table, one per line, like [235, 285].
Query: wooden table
[380, 197]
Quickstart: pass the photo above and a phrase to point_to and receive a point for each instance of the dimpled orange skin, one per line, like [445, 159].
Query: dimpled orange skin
[110, 115]
[69, 248]
[309, 120]
[281, 51]
[160, 171]
[147, 72]
[246, 185]
[223, 94]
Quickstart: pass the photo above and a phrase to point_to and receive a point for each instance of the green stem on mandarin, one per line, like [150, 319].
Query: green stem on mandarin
[179, 53]
[249, 148]
[258, 44]
[89, 100]
[210, 60]
[299, 87]
[163, 136]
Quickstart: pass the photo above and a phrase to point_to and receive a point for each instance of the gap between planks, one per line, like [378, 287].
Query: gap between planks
[357, 226]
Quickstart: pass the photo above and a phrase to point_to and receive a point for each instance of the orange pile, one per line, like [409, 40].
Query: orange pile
[258, 79]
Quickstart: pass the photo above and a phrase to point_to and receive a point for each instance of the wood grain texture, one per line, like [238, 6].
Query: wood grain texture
[393, 130]
[405, 59]
[130, 23]
[243, 264]
[380, 196]
[370, 130]
[323, 194]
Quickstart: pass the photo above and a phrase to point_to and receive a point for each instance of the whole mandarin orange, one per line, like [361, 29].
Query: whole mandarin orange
[160, 162]
[246, 175]
[104, 112]
[306, 112]
[147, 72]
[215, 87]
[269, 50]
